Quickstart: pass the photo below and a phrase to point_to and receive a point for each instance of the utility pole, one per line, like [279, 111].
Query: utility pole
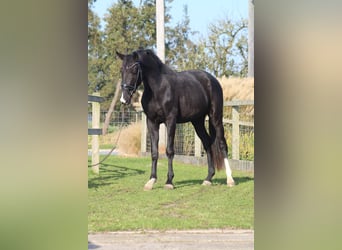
[161, 54]
[160, 30]
[250, 38]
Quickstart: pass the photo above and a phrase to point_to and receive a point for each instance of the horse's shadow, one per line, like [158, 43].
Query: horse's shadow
[109, 173]
[218, 181]
[92, 245]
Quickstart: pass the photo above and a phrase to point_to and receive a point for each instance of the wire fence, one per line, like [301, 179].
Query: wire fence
[122, 118]
[185, 138]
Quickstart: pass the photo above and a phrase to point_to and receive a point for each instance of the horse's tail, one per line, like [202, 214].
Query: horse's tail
[217, 154]
[219, 147]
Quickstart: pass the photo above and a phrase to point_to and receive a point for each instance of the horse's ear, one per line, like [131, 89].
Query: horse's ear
[121, 56]
[148, 52]
[135, 56]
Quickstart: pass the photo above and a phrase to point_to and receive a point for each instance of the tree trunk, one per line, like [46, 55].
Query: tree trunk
[111, 108]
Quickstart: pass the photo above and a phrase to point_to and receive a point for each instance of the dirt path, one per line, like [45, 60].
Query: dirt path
[188, 240]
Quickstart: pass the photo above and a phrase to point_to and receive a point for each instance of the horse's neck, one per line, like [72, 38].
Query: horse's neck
[153, 78]
[152, 82]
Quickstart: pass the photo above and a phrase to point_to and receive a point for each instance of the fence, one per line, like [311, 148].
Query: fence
[239, 132]
[121, 118]
[95, 131]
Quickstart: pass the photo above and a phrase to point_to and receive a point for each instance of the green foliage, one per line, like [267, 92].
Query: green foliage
[223, 52]
[178, 44]
[129, 27]
[185, 139]
[95, 53]
[247, 145]
[116, 200]
[91, 2]
[226, 48]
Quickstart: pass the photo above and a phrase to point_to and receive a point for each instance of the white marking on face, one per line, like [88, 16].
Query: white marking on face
[122, 99]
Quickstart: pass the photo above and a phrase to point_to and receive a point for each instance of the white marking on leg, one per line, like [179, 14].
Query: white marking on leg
[230, 180]
[228, 170]
[168, 186]
[206, 183]
[149, 184]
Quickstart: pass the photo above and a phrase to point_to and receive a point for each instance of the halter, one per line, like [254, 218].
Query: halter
[129, 88]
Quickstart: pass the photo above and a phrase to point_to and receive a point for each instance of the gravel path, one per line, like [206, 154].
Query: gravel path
[188, 240]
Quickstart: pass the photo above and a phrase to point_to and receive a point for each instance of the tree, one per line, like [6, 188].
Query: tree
[179, 44]
[226, 48]
[250, 38]
[127, 28]
[95, 51]
[222, 53]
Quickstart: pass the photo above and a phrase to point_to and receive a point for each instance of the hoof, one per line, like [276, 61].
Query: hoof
[149, 185]
[168, 186]
[231, 183]
[206, 183]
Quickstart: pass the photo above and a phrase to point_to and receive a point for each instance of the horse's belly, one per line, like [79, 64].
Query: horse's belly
[190, 113]
[193, 104]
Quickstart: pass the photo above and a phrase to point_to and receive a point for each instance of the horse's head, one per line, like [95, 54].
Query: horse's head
[131, 76]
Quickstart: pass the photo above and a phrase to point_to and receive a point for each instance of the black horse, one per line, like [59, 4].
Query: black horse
[172, 97]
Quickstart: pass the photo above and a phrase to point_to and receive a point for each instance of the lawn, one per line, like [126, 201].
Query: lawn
[117, 201]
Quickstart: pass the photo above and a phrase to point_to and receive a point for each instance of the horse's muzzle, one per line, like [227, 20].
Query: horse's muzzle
[124, 101]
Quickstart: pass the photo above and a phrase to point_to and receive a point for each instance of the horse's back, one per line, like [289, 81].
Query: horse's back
[205, 79]
[196, 90]
[201, 82]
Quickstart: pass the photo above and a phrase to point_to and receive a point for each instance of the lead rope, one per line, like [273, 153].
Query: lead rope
[111, 151]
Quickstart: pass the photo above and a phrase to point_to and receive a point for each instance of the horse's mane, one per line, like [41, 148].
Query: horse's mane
[164, 68]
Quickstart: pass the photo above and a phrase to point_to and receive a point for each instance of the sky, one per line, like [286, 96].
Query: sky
[201, 12]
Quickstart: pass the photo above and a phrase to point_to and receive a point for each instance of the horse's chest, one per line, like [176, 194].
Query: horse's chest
[154, 111]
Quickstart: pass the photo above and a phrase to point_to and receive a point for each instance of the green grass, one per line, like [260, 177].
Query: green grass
[116, 200]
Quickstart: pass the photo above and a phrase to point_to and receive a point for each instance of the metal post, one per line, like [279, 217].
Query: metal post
[250, 38]
[143, 133]
[160, 30]
[235, 133]
[198, 144]
[161, 55]
[95, 147]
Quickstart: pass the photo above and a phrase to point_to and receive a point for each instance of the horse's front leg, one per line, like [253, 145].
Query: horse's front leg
[170, 152]
[153, 129]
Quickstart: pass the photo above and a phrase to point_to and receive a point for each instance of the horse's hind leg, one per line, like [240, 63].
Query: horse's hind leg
[206, 141]
[220, 146]
[153, 129]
